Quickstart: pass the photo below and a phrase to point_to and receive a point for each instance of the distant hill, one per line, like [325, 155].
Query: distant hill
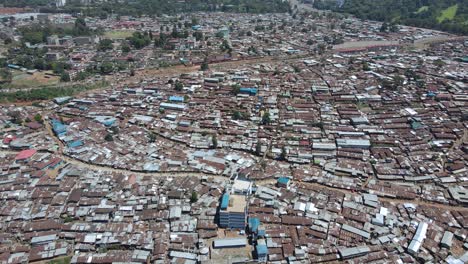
[445, 15]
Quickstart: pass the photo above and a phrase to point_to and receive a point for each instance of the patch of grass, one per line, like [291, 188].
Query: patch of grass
[25, 80]
[422, 9]
[448, 13]
[118, 34]
[65, 260]
[47, 93]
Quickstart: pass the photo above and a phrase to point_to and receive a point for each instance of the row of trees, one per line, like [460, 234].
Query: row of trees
[156, 7]
[159, 7]
[38, 33]
[420, 13]
[47, 93]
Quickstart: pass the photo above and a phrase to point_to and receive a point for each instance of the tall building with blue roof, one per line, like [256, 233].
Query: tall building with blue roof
[233, 211]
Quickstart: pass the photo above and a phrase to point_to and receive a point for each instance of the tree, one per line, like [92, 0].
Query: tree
[214, 141]
[398, 81]
[161, 41]
[266, 118]
[65, 77]
[38, 118]
[204, 66]
[321, 48]
[235, 88]
[394, 27]
[198, 35]
[81, 28]
[365, 66]
[33, 37]
[5, 75]
[178, 86]
[384, 27]
[105, 44]
[15, 117]
[125, 48]
[236, 115]
[106, 67]
[109, 137]
[115, 130]
[81, 76]
[283, 153]
[439, 63]
[194, 197]
[152, 137]
[139, 40]
[225, 46]
[258, 149]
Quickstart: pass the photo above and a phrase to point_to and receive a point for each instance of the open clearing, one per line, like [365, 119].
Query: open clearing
[118, 34]
[28, 81]
[448, 13]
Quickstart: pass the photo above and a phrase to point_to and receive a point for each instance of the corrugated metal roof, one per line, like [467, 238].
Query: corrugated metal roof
[230, 242]
[261, 250]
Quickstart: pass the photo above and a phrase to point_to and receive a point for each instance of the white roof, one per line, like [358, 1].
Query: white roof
[241, 185]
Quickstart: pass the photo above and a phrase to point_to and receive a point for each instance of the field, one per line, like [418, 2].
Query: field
[25, 80]
[64, 260]
[118, 34]
[448, 13]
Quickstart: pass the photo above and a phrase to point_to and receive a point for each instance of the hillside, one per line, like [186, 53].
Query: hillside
[446, 15]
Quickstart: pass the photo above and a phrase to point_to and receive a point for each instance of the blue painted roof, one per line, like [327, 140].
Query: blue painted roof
[261, 250]
[105, 120]
[254, 222]
[283, 180]
[58, 127]
[261, 232]
[248, 90]
[75, 144]
[175, 98]
[225, 201]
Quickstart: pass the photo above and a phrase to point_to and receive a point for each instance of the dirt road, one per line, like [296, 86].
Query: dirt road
[81, 164]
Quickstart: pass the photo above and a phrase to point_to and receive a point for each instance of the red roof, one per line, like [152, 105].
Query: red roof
[25, 154]
[132, 179]
[8, 139]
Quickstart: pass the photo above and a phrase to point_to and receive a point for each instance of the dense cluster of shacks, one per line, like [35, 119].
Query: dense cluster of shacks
[356, 156]
[248, 36]
[54, 209]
